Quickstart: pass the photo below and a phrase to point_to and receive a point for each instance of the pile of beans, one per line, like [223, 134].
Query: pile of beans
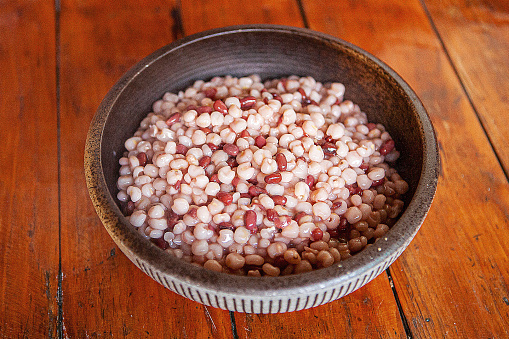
[260, 178]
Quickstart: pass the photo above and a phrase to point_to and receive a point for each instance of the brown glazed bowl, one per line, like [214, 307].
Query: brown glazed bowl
[272, 52]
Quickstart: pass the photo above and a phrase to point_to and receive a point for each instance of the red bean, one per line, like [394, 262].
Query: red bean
[226, 225]
[129, 208]
[204, 161]
[247, 102]
[303, 93]
[225, 198]
[256, 191]
[210, 92]
[329, 148]
[274, 178]
[343, 224]
[364, 166]
[205, 130]
[142, 158]
[370, 126]
[232, 162]
[272, 214]
[204, 109]
[213, 147]
[279, 199]
[260, 141]
[177, 185]
[281, 162]
[282, 221]
[387, 147]
[244, 134]
[298, 216]
[214, 178]
[175, 117]
[235, 181]
[250, 219]
[160, 242]
[377, 183]
[190, 107]
[310, 181]
[181, 149]
[231, 149]
[220, 107]
[277, 97]
[317, 234]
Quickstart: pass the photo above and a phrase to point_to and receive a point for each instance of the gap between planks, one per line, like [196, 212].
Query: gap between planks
[463, 87]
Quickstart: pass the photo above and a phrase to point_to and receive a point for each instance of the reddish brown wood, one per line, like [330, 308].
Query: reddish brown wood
[366, 313]
[476, 34]
[103, 292]
[452, 280]
[210, 14]
[28, 176]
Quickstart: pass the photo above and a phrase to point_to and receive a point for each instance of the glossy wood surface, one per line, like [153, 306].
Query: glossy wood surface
[57, 62]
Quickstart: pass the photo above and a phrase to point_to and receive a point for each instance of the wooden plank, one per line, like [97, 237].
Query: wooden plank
[453, 278]
[208, 14]
[476, 35]
[104, 294]
[359, 314]
[366, 313]
[28, 179]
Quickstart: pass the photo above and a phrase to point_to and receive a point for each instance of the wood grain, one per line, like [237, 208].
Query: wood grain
[452, 280]
[476, 35]
[356, 315]
[104, 294]
[369, 312]
[29, 177]
[208, 14]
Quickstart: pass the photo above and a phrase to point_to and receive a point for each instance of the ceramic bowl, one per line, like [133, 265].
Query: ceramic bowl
[272, 52]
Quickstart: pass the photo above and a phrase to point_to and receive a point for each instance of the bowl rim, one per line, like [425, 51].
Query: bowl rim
[128, 239]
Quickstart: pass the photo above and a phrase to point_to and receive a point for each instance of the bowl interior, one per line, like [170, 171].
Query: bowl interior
[271, 52]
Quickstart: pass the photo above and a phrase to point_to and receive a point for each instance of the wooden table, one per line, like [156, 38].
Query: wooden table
[62, 276]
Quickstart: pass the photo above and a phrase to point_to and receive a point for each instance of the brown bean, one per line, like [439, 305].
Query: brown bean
[254, 259]
[225, 198]
[274, 178]
[235, 261]
[220, 107]
[292, 256]
[279, 199]
[303, 266]
[355, 245]
[204, 161]
[247, 102]
[325, 258]
[231, 149]
[175, 117]
[271, 270]
[281, 162]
